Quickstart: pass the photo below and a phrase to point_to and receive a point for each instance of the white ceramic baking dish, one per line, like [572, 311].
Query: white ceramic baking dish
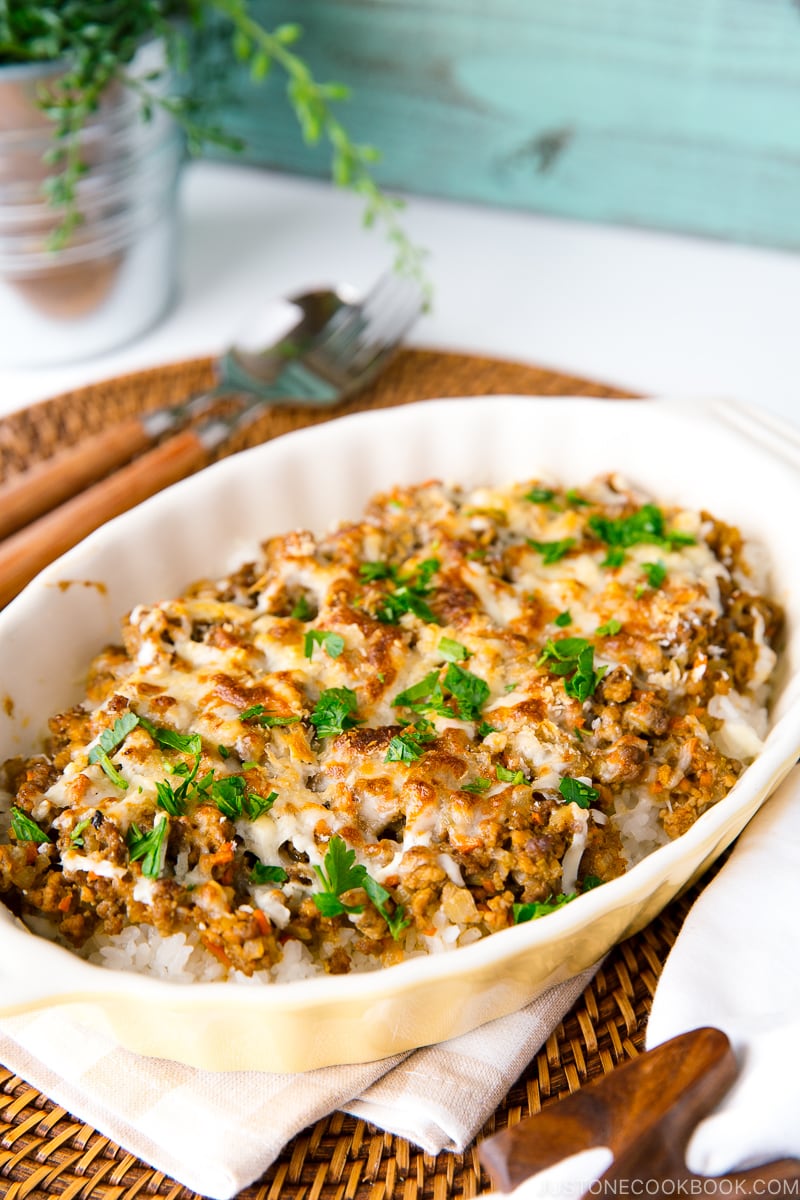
[733, 462]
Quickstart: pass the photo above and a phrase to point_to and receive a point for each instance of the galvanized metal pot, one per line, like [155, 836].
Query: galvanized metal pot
[117, 275]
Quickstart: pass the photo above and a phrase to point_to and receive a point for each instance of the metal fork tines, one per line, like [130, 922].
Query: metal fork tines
[347, 354]
[352, 344]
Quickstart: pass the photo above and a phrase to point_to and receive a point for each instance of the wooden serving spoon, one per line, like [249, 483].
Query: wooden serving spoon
[645, 1112]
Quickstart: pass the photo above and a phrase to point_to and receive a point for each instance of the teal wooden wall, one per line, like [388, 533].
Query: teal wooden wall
[675, 114]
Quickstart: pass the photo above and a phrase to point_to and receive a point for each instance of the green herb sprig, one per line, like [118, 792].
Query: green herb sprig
[646, 525]
[340, 873]
[333, 712]
[574, 791]
[98, 43]
[609, 629]
[541, 495]
[505, 775]
[150, 847]
[408, 592]
[333, 643]
[469, 692]
[235, 799]
[477, 786]
[655, 573]
[108, 742]
[573, 658]
[408, 745]
[258, 714]
[25, 828]
[262, 874]
[76, 837]
[552, 552]
[540, 908]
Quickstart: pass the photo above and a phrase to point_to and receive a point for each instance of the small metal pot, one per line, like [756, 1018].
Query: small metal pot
[117, 275]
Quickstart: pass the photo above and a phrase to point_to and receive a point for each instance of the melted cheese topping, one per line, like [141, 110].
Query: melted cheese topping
[490, 649]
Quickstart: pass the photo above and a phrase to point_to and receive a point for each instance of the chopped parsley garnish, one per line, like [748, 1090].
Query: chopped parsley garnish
[257, 805]
[540, 495]
[408, 592]
[469, 691]
[643, 526]
[453, 651]
[333, 642]
[302, 610]
[609, 629]
[407, 746]
[259, 715]
[403, 748]
[76, 836]
[478, 785]
[334, 710]
[484, 729]
[563, 619]
[583, 683]
[101, 758]
[576, 792]
[234, 799]
[425, 696]
[614, 558]
[574, 498]
[507, 776]
[552, 552]
[108, 741]
[150, 847]
[261, 874]
[168, 797]
[396, 918]
[111, 738]
[591, 881]
[25, 828]
[172, 800]
[223, 751]
[187, 743]
[655, 573]
[573, 658]
[563, 654]
[340, 874]
[370, 571]
[540, 908]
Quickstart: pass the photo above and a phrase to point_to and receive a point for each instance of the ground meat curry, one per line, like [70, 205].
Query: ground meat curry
[450, 716]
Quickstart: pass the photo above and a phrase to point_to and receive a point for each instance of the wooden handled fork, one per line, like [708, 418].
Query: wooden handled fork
[343, 356]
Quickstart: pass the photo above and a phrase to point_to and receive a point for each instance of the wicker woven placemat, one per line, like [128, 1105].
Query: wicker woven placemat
[44, 1152]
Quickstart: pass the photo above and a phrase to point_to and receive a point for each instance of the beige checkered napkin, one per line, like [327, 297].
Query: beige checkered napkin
[217, 1133]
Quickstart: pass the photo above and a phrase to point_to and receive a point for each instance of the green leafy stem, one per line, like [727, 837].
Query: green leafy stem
[99, 42]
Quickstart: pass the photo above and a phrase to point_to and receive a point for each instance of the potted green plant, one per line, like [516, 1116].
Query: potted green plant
[95, 109]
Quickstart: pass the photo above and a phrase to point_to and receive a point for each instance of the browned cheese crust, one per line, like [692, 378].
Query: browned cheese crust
[449, 716]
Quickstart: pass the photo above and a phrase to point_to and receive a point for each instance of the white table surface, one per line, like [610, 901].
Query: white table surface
[653, 312]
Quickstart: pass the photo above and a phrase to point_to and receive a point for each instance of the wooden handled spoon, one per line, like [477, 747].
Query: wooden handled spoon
[645, 1112]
